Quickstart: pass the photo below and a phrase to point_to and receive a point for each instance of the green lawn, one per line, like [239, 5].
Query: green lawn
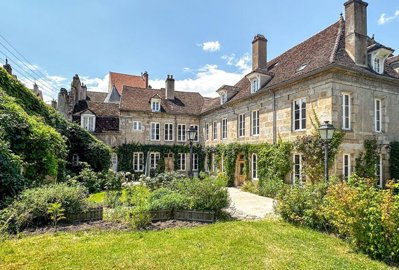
[265, 244]
[100, 197]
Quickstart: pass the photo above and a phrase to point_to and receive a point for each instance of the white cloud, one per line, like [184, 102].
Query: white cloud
[207, 80]
[384, 19]
[243, 63]
[211, 46]
[96, 84]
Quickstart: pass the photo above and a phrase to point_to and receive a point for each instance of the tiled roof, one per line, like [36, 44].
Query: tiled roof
[120, 79]
[97, 96]
[138, 99]
[323, 49]
[393, 59]
[98, 108]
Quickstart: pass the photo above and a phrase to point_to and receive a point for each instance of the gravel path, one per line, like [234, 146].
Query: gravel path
[245, 205]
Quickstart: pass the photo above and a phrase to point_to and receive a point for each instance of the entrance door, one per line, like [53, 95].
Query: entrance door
[169, 162]
[240, 171]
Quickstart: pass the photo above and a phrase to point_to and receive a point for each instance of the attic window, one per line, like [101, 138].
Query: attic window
[273, 65]
[223, 97]
[301, 68]
[155, 105]
[255, 85]
[88, 122]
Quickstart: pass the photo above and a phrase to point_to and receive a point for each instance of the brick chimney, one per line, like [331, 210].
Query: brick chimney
[356, 31]
[170, 87]
[145, 78]
[259, 52]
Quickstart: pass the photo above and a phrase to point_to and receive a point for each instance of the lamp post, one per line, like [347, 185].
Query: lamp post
[192, 133]
[326, 132]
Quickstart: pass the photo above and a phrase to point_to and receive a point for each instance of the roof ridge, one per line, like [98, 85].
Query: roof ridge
[125, 74]
[338, 39]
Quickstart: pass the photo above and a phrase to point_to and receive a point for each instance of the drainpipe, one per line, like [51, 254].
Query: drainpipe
[274, 117]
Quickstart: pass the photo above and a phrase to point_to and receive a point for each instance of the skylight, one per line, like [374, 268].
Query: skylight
[301, 67]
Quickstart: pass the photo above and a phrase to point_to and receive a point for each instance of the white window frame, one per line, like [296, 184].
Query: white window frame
[377, 64]
[224, 128]
[346, 167]
[168, 132]
[75, 160]
[346, 111]
[138, 161]
[196, 127]
[241, 125]
[301, 118]
[378, 115]
[114, 162]
[223, 98]
[255, 85]
[195, 162]
[182, 161]
[88, 122]
[255, 123]
[154, 160]
[379, 171]
[181, 132]
[137, 126]
[155, 131]
[294, 169]
[214, 131]
[254, 167]
[156, 105]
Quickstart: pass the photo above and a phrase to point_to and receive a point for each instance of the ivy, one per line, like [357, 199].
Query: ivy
[367, 160]
[125, 155]
[394, 160]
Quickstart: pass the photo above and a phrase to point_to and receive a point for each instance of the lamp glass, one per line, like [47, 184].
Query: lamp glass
[192, 132]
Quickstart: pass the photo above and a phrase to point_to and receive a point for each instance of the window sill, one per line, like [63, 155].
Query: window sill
[299, 130]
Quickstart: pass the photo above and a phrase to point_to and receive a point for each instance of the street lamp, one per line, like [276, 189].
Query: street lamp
[192, 133]
[326, 132]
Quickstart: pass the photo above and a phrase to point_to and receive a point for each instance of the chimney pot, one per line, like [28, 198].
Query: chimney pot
[259, 52]
[170, 88]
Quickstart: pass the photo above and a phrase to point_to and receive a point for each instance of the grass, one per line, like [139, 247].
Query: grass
[100, 197]
[268, 244]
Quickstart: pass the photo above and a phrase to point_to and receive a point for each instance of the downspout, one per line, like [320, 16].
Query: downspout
[274, 118]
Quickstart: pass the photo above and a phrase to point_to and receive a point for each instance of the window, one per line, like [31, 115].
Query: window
[114, 162]
[378, 171]
[206, 131]
[168, 132]
[138, 161]
[254, 85]
[297, 170]
[137, 126]
[241, 125]
[223, 98]
[182, 161]
[215, 130]
[377, 65]
[346, 111]
[88, 122]
[299, 114]
[377, 115]
[255, 123]
[154, 160]
[181, 133]
[224, 128]
[154, 131]
[346, 166]
[75, 160]
[195, 162]
[254, 167]
[196, 134]
[156, 105]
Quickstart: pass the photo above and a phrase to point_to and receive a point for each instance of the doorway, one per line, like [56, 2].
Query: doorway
[240, 170]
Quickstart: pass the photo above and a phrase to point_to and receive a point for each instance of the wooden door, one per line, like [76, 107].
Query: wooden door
[169, 162]
[240, 170]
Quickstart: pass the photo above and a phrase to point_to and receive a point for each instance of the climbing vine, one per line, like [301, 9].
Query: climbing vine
[125, 155]
[394, 160]
[367, 160]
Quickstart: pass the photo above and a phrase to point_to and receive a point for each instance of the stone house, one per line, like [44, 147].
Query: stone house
[341, 74]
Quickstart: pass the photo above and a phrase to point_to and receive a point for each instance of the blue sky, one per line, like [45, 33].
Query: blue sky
[91, 38]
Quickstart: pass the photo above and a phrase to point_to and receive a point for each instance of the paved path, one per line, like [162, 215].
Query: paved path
[245, 205]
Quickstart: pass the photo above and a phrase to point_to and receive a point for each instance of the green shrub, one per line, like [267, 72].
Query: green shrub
[250, 186]
[90, 179]
[160, 180]
[113, 198]
[394, 160]
[30, 209]
[302, 205]
[165, 199]
[271, 188]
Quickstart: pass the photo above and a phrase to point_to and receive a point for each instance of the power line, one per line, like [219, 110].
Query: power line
[15, 62]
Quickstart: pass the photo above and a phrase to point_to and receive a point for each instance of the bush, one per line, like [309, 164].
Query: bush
[250, 186]
[302, 205]
[30, 209]
[165, 199]
[271, 188]
[160, 180]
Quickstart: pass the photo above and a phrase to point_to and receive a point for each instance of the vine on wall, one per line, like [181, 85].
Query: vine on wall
[125, 155]
[367, 160]
[394, 160]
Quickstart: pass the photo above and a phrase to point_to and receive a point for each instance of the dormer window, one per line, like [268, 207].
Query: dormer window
[156, 104]
[223, 97]
[377, 56]
[255, 85]
[88, 122]
[377, 65]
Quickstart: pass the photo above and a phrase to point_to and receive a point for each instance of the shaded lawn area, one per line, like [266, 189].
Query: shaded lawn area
[268, 244]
